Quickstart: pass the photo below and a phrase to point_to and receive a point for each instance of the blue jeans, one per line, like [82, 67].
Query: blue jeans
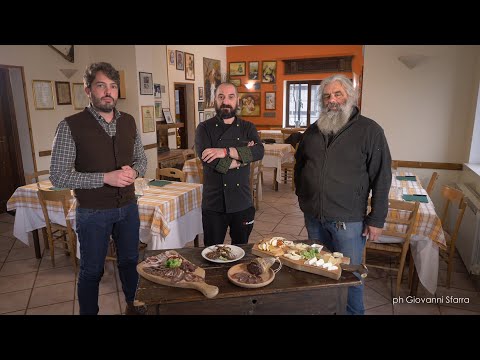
[348, 241]
[94, 228]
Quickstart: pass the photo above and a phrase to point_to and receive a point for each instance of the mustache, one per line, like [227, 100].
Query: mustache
[226, 107]
[105, 97]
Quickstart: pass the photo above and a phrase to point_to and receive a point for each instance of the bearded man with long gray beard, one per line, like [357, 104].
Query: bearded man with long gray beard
[341, 157]
[227, 145]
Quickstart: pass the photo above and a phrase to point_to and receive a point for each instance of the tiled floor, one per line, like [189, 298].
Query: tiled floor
[31, 286]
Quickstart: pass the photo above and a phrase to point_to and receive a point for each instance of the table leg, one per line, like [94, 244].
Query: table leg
[414, 288]
[36, 244]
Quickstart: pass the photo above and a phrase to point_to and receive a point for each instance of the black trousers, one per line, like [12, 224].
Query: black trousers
[215, 226]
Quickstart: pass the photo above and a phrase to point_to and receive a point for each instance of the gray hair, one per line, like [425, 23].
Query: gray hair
[352, 93]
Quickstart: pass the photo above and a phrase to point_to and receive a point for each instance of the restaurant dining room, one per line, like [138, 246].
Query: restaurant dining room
[425, 98]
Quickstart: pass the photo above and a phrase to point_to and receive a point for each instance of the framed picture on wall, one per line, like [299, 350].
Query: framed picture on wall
[171, 57]
[157, 91]
[249, 103]
[253, 70]
[201, 106]
[200, 93]
[237, 68]
[43, 94]
[62, 89]
[270, 100]
[179, 56]
[148, 120]
[189, 66]
[269, 71]
[236, 82]
[158, 110]
[146, 83]
[80, 98]
[201, 116]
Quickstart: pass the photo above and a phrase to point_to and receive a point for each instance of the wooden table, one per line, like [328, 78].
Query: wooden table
[291, 292]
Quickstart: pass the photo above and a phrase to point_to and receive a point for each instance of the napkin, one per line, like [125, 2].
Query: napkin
[419, 198]
[159, 182]
[407, 178]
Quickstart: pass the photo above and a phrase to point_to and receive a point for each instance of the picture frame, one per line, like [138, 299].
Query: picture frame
[168, 116]
[158, 110]
[148, 120]
[249, 103]
[122, 89]
[146, 83]
[236, 82]
[201, 106]
[269, 71]
[209, 114]
[179, 56]
[62, 91]
[212, 77]
[157, 91]
[189, 66]
[201, 116]
[80, 98]
[171, 57]
[200, 93]
[236, 68]
[253, 70]
[270, 100]
[43, 94]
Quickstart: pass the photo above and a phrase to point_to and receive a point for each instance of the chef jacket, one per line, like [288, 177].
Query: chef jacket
[227, 190]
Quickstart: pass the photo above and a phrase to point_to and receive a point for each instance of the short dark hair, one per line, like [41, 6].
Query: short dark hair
[106, 68]
[226, 83]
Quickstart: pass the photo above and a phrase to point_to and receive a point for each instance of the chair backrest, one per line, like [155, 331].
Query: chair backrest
[188, 154]
[399, 206]
[431, 183]
[199, 165]
[171, 173]
[255, 173]
[59, 196]
[287, 132]
[29, 178]
[394, 164]
[456, 197]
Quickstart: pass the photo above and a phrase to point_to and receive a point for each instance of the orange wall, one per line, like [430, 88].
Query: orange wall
[282, 52]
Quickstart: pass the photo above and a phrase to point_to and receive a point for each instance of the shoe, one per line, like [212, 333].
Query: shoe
[135, 310]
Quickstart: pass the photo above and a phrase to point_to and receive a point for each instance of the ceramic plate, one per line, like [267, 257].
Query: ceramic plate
[237, 251]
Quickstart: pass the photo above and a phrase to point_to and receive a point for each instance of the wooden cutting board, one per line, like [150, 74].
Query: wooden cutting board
[300, 265]
[209, 291]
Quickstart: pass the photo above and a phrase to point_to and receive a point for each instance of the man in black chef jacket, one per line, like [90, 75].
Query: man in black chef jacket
[227, 145]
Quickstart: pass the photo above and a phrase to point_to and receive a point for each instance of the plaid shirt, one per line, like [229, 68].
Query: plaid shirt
[62, 166]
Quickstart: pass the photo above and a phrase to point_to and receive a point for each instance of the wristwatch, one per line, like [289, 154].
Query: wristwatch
[228, 151]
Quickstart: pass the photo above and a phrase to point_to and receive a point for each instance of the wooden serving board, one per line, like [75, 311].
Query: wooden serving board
[209, 291]
[299, 264]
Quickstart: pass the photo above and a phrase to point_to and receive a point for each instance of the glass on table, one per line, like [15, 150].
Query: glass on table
[141, 185]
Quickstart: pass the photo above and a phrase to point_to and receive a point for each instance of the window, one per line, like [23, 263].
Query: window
[303, 106]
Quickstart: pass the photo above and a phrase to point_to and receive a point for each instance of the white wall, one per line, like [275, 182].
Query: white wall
[427, 112]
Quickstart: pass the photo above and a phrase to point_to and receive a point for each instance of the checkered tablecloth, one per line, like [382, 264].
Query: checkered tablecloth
[428, 223]
[157, 207]
[271, 134]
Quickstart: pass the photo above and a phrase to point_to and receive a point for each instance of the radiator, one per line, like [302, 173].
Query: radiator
[468, 241]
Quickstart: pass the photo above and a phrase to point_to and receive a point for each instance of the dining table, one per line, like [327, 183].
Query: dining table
[170, 213]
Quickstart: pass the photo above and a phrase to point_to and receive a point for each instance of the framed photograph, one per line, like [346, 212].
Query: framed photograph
[200, 93]
[253, 70]
[201, 106]
[179, 56]
[249, 104]
[171, 57]
[269, 71]
[212, 77]
[80, 98]
[270, 100]
[201, 116]
[157, 91]
[122, 89]
[168, 116]
[209, 114]
[236, 82]
[158, 110]
[148, 120]
[43, 94]
[146, 83]
[237, 68]
[189, 66]
[64, 96]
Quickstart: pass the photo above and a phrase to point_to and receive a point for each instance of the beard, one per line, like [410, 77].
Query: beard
[225, 111]
[334, 117]
[97, 103]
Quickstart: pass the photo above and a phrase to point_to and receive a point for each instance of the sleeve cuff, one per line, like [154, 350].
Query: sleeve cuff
[245, 154]
[223, 165]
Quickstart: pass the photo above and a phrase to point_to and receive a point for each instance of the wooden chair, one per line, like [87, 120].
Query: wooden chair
[199, 165]
[35, 176]
[170, 173]
[56, 232]
[431, 183]
[188, 154]
[288, 172]
[406, 214]
[255, 172]
[455, 197]
[394, 164]
[287, 132]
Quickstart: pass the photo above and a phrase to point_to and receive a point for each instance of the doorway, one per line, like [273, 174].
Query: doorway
[185, 115]
[11, 165]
